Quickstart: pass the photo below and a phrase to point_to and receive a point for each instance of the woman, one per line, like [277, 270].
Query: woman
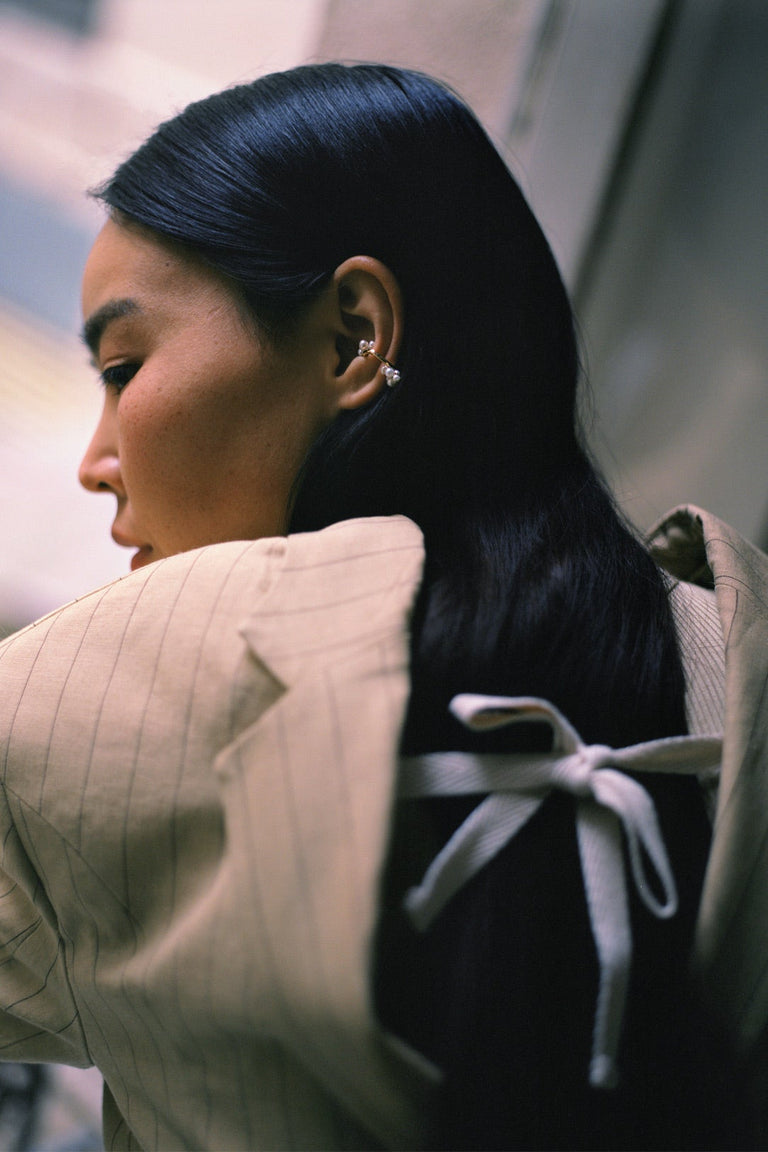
[322, 297]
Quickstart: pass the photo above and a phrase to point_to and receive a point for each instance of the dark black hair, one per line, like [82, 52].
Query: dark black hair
[534, 584]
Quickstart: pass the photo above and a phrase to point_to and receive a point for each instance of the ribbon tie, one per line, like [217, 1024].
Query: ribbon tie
[607, 801]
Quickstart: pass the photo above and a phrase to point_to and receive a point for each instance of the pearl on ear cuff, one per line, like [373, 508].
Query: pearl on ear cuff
[388, 371]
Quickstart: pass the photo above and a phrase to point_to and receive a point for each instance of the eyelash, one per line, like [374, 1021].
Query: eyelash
[118, 376]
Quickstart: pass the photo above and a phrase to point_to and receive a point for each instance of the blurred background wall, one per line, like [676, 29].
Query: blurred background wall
[636, 127]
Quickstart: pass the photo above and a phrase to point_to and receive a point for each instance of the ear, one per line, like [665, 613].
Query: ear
[370, 307]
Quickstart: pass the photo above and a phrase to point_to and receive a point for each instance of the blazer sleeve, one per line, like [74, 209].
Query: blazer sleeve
[38, 1017]
[74, 688]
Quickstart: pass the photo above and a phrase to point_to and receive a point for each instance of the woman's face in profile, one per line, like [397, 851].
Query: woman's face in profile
[204, 424]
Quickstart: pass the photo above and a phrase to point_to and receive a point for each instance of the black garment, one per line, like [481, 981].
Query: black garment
[500, 993]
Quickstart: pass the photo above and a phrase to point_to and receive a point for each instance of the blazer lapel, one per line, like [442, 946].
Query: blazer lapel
[334, 589]
[732, 935]
[308, 791]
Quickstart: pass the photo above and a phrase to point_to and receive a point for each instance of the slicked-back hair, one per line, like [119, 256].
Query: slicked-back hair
[531, 572]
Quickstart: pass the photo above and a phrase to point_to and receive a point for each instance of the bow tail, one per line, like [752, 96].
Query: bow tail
[602, 862]
[476, 841]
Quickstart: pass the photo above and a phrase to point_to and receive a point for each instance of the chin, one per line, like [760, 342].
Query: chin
[145, 555]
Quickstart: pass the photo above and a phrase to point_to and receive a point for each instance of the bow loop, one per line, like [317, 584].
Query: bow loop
[486, 713]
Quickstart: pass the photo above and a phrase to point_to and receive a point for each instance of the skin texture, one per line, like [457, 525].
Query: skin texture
[205, 424]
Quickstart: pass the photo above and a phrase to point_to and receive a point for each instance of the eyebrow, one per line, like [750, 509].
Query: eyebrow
[96, 325]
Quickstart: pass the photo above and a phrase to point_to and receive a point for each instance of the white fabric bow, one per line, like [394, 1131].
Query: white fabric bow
[607, 801]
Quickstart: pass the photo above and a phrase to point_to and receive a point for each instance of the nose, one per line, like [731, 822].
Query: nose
[100, 467]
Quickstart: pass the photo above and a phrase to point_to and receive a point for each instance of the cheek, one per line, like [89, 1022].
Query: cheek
[217, 459]
[159, 441]
[211, 440]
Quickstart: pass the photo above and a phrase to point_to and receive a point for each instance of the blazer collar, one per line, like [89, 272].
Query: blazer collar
[331, 589]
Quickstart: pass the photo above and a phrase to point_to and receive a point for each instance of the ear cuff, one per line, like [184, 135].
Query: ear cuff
[390, 373]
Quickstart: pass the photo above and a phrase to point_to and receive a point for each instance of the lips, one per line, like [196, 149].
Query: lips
[143, 556]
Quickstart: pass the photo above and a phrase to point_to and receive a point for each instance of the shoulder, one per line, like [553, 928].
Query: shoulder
[226, 582]
[224, 623]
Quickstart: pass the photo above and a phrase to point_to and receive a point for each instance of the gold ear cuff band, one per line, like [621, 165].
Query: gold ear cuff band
[390, 373]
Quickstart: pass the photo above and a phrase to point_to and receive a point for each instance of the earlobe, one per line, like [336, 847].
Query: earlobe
[371, 320]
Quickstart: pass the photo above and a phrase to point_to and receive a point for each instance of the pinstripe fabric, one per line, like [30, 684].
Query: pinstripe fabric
[702, 648]
[197, 764]
[732, 941]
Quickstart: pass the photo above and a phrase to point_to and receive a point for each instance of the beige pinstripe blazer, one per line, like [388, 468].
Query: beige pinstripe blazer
[198, 765]
[198, 768]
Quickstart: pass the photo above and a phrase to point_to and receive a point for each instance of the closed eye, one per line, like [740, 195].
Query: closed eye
[119, 375]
